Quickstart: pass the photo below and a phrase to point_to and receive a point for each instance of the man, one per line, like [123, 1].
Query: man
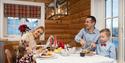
[89, 35]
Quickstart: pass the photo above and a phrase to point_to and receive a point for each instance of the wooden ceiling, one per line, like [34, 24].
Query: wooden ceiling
[45, 1]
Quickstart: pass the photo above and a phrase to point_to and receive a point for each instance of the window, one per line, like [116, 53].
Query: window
[14, 22]
[112, 13]
[111, 19]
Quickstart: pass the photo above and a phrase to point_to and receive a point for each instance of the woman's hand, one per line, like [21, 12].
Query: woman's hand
[29, 49]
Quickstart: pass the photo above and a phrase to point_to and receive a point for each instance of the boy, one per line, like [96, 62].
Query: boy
[104, 46]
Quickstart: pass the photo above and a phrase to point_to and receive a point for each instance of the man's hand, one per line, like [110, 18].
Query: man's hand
[93, 45]
[82, 42]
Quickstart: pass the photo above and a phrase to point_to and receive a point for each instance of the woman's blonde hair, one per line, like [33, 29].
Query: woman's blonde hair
[40, 27]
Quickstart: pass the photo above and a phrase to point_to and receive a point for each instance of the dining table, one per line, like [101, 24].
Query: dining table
[74, 58]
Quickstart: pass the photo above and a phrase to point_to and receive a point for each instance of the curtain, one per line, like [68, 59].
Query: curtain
[22, 11]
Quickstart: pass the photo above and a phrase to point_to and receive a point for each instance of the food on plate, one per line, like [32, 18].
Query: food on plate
[39, 50]
[50, 48]
[88, 52]
[47, 53]
[58, 50]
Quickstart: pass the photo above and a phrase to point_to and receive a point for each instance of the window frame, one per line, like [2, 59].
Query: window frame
[3, 22]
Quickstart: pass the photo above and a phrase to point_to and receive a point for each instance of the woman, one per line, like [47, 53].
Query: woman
[27, 45]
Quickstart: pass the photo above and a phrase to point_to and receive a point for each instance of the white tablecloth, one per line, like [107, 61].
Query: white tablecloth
[75, 58]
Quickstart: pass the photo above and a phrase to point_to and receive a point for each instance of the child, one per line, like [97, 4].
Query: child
[104, 46]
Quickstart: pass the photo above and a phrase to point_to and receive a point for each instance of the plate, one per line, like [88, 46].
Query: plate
[47, 56]
[90, 54]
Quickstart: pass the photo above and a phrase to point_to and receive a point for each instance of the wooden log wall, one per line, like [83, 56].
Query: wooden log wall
[67, 27]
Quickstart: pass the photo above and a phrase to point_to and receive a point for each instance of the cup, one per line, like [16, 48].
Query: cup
[64, 52]
[82, 54]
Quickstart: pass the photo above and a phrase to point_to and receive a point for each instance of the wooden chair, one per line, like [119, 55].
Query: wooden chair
[10, 54]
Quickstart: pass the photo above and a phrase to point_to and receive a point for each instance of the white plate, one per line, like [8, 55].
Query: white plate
[53, 54]
[46, 56]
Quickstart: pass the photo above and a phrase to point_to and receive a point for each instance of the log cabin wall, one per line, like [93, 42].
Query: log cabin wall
[67, 27]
